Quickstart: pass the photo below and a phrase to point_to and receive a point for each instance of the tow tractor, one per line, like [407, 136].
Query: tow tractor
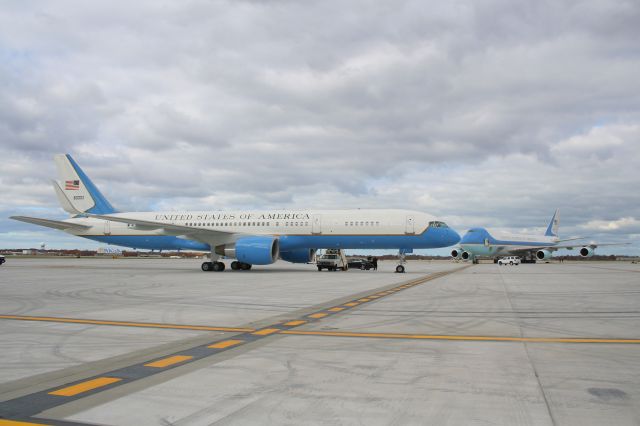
[332, 260]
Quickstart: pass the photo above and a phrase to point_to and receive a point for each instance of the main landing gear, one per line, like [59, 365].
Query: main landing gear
[236, 266]
[219, 266]
[213, 266]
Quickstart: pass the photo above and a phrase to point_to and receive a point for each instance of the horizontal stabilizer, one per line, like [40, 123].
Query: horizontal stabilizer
[56, 224]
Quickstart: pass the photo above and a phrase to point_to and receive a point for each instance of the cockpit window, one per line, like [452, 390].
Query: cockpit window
[436, 224]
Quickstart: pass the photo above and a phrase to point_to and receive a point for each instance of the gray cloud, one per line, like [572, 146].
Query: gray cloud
[489, 113]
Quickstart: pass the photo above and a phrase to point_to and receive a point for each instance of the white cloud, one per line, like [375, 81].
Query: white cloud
[625, 224]
[488, 114]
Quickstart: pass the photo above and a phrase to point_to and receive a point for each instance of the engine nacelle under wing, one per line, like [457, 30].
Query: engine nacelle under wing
[456, 253]
[259, 250]
[543, 254]
[298, 255]
[586, 252]
[465, 255]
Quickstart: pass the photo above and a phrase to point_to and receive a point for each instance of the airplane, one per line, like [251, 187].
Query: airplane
[249, 237]
[481, 242]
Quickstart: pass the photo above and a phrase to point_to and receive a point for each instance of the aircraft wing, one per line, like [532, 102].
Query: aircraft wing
[201, 234]
[529, 249]
[49, 223]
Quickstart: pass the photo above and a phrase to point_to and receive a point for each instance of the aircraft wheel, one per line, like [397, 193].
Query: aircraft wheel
[207, 266]
[218, 266]
[400, 269]
[235, 265]
[319, 268]
[245, 266]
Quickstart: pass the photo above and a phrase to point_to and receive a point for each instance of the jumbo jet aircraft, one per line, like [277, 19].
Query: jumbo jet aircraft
[250, 237]
[481, 242]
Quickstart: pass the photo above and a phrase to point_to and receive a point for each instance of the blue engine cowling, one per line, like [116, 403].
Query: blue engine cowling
[543, 254]
[298, 255]
[255, 250]
[586, 251]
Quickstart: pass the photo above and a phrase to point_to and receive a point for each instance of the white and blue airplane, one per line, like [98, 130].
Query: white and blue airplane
[250, 237]
[482, 242]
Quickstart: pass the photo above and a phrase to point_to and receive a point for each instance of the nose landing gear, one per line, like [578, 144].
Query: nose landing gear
[401, 259]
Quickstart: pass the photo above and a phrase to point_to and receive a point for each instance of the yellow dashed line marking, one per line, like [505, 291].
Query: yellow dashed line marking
[225, 344]
[85, 386]
[294, 323]
[318, 315]
[336, 309]
[351, 304]
[266, 331]
[161, 363]
[15, 423]
[364, 300]
[466, 338]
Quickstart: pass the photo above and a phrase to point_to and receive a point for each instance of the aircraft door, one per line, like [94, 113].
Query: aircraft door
[409, 227]
[316, 224]
[107, 227]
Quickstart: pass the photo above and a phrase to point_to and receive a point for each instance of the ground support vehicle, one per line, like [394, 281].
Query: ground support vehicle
[509, 260]
[332, 260]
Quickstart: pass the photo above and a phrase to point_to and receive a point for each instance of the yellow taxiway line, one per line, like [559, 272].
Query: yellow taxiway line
[464, 338]
[125, 323]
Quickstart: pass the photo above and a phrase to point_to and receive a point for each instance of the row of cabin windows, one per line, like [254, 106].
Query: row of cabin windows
[300, 223]
[362, 223]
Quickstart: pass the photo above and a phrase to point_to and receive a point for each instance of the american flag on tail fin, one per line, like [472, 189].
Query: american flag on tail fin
[72, 185]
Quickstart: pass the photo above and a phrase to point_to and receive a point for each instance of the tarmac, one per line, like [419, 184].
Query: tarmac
[159, 342]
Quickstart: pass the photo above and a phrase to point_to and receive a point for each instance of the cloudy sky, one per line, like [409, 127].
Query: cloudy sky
[485, 113]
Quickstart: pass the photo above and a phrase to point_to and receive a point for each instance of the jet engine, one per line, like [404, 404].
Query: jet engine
[465, 255]
[543, 254]
[586, 252]
[298, 255]
[252, 250]
[456, 253]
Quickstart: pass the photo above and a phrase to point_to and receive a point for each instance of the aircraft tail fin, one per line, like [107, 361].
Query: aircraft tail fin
[76, 192]
[552, 229]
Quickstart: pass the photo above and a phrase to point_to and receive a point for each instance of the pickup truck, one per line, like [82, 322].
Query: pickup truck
[2, 260]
